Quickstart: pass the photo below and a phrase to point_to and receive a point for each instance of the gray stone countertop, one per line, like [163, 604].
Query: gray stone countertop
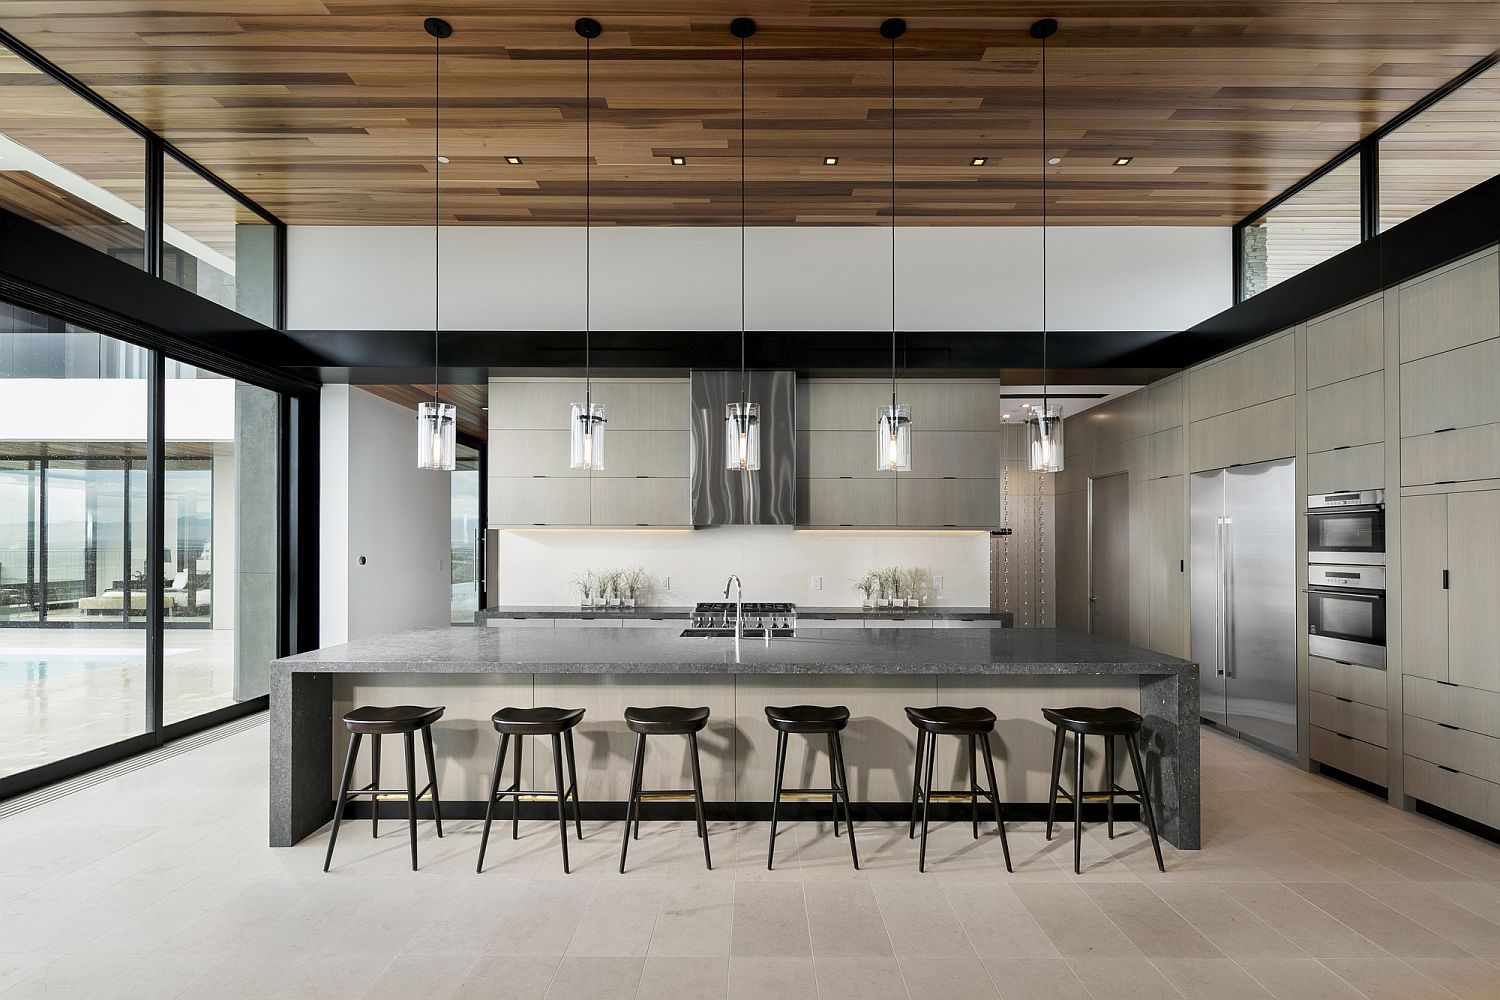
[566, 611]
[459, 650]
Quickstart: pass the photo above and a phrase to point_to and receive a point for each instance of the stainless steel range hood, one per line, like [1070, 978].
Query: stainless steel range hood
[722, 496]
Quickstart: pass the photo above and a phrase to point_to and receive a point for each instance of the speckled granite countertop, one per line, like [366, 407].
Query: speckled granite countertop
[940, 612]
[825, 651]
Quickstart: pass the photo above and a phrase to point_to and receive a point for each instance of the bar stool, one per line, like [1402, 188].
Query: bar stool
[557, 723]
[377, 722]
[976, 724]
[664, 721]
[1108, 723]
[812, 720]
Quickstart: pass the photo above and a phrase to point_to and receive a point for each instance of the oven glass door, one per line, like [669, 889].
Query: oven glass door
[1347, 624]
[1358, 532]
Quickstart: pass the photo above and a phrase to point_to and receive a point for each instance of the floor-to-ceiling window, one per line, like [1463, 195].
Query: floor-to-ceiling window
[73, 418]
[464, 534]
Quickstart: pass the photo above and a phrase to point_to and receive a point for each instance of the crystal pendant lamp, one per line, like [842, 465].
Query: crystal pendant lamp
[437, 421]
[586, 420]
[742, 419]
[1044, 424]
[893, 423]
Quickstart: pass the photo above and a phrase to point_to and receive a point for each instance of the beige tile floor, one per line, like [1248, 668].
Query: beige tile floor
[158, 884]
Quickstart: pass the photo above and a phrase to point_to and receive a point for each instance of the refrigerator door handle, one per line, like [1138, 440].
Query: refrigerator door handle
[1228, 597]
[1220, 640]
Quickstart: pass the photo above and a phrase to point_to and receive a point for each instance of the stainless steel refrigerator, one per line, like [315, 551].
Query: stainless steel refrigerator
[1244, 600]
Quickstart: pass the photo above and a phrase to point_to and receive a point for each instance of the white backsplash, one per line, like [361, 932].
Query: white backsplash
[537, 566]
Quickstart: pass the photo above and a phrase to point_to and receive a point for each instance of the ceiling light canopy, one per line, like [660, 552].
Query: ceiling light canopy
[830, 161]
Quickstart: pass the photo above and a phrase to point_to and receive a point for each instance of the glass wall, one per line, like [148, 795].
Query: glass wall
[219, 539]
[1306, 229]
[1442, 152]
[73, 417]
[463, 534]
[216, 247]
[68, 165]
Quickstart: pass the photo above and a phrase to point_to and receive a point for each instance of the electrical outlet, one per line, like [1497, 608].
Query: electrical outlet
[817, 583]
[666, 583]
[937, 583]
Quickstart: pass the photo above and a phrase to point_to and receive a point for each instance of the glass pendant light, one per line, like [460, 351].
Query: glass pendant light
[893, 423]
[437, 421]
[1044, 424]
[586, 420]
[742, 419]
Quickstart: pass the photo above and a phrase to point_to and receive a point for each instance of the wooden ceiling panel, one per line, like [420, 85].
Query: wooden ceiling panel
[321, 109]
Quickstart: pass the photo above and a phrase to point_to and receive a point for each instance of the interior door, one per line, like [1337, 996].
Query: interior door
[1474, 597]
[1206, 590]
[1109, 556]
[1261, 587]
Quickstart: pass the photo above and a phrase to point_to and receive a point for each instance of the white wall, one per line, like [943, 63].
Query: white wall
[775, 564]
[376, 503]
[803, 278]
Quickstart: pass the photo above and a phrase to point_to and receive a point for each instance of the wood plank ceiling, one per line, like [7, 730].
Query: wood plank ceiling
[321, 109]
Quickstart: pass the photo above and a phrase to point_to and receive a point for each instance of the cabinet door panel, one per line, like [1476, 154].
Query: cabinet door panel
[1474, 590]
[1263, 372]
[525, 502]
[846, 503]
[641, 502]
[1451, 457]
[1424, 602]
[947, 503]
[1361, 468]
[838, 455]
[1456, 306]
[1455, 389]
[657, 454]
[1346, 344]
[1242, 437]
[1351, 412]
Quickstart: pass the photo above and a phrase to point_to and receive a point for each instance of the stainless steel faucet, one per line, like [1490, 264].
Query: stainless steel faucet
[739, 609]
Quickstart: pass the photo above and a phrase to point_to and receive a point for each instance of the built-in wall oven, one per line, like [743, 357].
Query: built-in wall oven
[1346, 613]
[1347, 528]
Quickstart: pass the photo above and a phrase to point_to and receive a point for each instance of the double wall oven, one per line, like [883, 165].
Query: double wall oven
[1346, 577]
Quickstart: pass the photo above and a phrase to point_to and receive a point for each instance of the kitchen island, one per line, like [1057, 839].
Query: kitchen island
[875, 672]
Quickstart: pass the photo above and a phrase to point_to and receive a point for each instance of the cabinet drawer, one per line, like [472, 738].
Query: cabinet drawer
[1346, 344]
[1454, 456]
[1365, 685]
[1349, 718]
[1453, 389]
[1356, 757]
[1453, 790]
[967, 623]
[1451, 307]
[1471, 753]
[1467, 708]
[1361, 468]
[1346, 413]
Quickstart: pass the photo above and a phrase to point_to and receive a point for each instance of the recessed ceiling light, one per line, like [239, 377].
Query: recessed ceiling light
[1123, 161]
[1055, 160]
[514, 161]
[442, 159]
[679, 161]
[830, 161]
[979, 161]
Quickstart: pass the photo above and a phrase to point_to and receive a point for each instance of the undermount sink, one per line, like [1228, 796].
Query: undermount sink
[728, 633]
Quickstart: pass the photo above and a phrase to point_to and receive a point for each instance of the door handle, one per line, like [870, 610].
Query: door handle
[1228, 660]
[479, 560]
[1221, 639]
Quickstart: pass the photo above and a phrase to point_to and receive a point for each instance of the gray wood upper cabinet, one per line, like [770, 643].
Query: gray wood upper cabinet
[1457, 456]
[947, 503]
[1255, 375]
[1347, 343]
[1240, 437]
[832, 405]
[951, 404]
[641, 502]
[532, 405]
[557, 501]
[1347, 413]
[838, 454]
[1164, 404]
[937, 454]
[1474, 589]
[846, 503]
[1454, 389]
[1357, 468]
[524, 453]
[646, 405]
[634, 405]
[1424, 600]
[1450, 308]
[653, 454]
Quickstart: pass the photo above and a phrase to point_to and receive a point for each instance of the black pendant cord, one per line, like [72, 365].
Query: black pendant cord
[744, 387]
[588, 232]
[894, 420]
[1045, 373]
[437, 204]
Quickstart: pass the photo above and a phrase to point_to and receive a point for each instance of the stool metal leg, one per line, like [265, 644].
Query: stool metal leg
[1078, 805]
[916, 783]
[635, 793]
[375, 783]
[926, 800]
[708, 860]
[843, 786]
[833, 782]
[515, 800]
[1109, 783]
[437, 806]
[573, 784]
[974, 784]
[989, 766]
[411, 793]
[776, 797]
[489, 810]
[1132, 748]
[338, 809]
[562, 799]
[1057, 756]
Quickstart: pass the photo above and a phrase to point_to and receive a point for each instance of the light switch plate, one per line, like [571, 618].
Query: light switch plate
[937, 583]
[817, 583]
[666, 583]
